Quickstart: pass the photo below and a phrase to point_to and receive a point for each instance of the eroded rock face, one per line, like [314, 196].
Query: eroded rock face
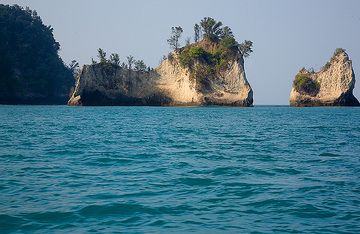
[103, 85]
[168, 84]
[334, 84]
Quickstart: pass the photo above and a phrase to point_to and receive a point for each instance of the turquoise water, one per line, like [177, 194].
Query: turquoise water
[179, 170]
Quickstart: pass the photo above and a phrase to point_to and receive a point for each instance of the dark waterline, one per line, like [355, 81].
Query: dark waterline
[266, 169]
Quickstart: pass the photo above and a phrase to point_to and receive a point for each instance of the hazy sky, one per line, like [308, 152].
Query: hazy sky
[287, 35]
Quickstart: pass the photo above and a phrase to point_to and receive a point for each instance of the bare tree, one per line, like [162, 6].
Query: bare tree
[175, 36]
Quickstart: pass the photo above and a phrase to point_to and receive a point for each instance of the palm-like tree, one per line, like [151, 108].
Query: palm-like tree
[211, 28]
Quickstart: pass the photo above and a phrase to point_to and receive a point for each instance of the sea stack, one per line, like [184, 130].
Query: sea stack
[332, 86]
[188, 76]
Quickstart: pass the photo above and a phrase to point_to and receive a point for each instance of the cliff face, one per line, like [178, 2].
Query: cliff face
[168, 84]
[106, 85]
[332, 86]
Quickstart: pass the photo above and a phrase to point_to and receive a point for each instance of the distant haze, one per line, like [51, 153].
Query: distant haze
[287, 35]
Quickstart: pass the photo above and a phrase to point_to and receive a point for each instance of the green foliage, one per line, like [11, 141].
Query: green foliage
[246, 48]
[212, 55]
[226, 32]
[305, 85]
[191, 54]
[175, 36]
[219, 56]
[74, 67]
[131, 61]
[140, 66]
[212, 29]
[110, 66]
[31, 70]
[115, 59]
[338, 51]
[228, 44]
[196, 33]
[102, 56]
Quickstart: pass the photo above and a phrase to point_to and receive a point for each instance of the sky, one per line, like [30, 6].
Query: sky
[287, 34]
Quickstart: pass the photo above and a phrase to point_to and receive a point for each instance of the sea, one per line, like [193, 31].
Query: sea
[265, 169]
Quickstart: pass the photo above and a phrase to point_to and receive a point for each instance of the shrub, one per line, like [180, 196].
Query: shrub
[305, 85]
[338, 51]
[326, 66]
[189, 54]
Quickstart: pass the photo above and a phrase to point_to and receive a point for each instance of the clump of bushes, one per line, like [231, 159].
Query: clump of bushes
[305, 85]
[190, 54]
[218, 56]
[338, 51]
[206, 59]
[214, 48]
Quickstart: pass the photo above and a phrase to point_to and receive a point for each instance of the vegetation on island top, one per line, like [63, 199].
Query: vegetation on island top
[31, 70]
[305, 85]
[30, 64]
[336, 53]
[212, 31]
[213, 48]
[109, 65]
[303, 82]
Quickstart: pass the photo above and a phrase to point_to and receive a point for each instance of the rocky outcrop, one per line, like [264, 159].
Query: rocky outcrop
[169, 84]
[332, 86]
[108, 85]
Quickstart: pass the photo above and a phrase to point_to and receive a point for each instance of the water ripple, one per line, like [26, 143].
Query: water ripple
[182, 170]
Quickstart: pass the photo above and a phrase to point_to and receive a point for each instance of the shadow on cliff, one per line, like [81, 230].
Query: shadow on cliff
[97, 98]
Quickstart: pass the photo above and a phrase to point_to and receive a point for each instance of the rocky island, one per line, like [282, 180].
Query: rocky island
[31, 70]
[332, 86]
[209, 71]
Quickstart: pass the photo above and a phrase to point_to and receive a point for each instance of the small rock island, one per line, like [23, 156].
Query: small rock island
[209, 71]
[332, 86]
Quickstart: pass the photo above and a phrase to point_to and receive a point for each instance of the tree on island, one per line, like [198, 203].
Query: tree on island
[175, 36]
[214, 51]
[196, 33]
[246, 48]
[211, 28]
[131, 61]
[109, 65]
[140, 66]
[226, 32]
[74, 67]
[115, 59]
[31, 70]
[102, 56]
